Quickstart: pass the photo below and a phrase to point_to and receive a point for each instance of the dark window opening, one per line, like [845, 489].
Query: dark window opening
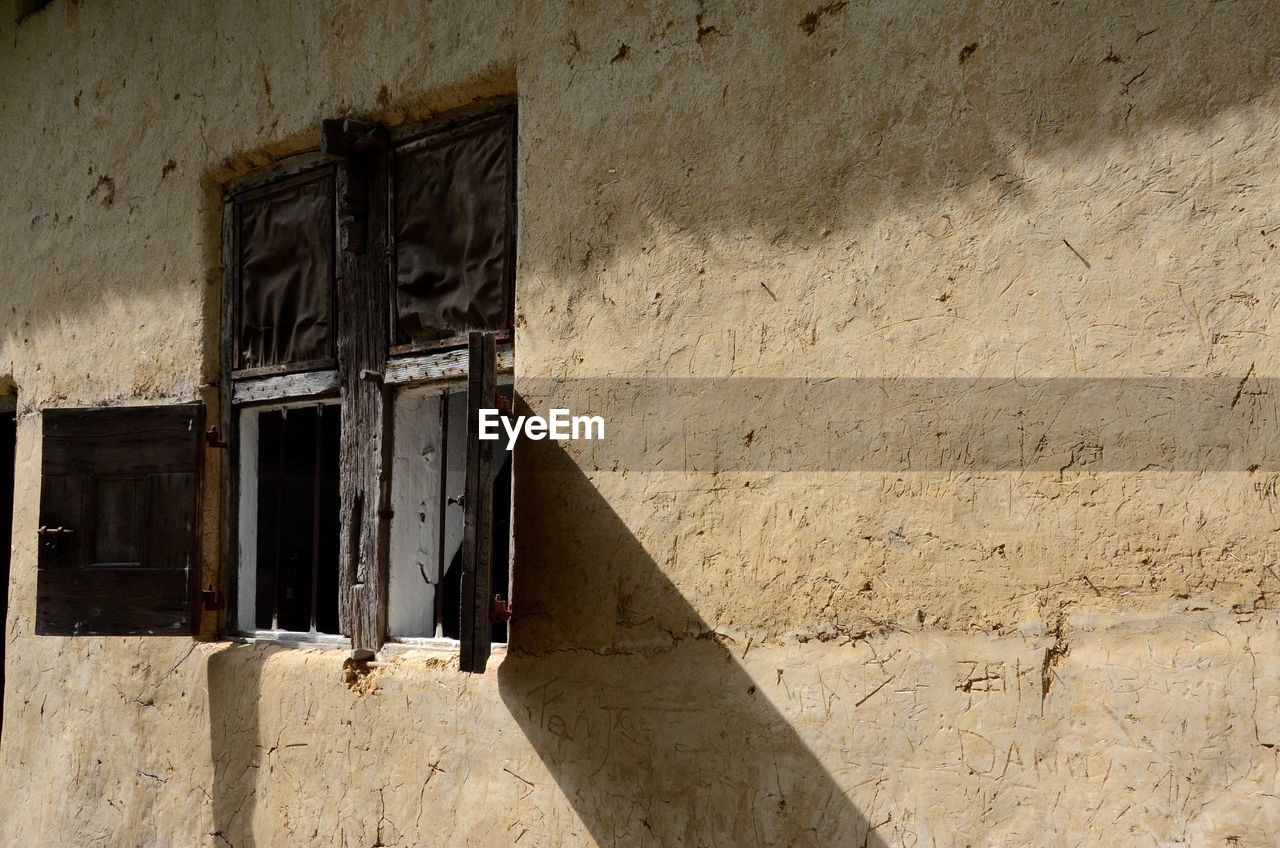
[297, 520]
[502, 540]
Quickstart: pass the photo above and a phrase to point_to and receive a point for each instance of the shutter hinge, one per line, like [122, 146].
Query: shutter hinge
[212, 600]
[213, 438]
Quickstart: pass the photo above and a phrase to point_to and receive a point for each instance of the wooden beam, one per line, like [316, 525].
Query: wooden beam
[475, 622]
[305, 385]
[441, 367]
[363, 291]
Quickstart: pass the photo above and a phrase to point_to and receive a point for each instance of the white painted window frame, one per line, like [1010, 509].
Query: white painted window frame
[444, 372]
[253, 396]
[247, 522]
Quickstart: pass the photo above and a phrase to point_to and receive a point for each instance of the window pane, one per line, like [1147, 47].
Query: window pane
[284, 307]
[454, 220]
[295, 547]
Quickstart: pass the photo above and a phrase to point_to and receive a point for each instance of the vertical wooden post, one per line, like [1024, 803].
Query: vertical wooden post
[476, 619]
[365, 454]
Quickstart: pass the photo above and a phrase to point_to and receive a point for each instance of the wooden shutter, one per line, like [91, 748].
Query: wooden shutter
[475, 616]
[119, 521]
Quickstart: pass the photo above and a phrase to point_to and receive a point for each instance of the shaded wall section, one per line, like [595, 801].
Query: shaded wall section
[944, 650]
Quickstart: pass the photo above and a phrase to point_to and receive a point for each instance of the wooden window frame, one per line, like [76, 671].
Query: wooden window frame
[366, 372]
[261, 389]
[444, 372]
[242, 518]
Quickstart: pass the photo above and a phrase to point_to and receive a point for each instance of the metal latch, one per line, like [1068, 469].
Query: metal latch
[500, 610]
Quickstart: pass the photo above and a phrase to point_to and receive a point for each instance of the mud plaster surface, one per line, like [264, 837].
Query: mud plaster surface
[951, 654]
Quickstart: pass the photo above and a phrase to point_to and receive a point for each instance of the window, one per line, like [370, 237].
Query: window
[288, 507]
[369, 310]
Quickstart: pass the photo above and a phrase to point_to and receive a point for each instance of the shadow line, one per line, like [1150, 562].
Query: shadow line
[650, 726]
[235, 687]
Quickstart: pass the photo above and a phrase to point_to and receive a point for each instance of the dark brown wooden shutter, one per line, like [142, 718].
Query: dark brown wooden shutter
[119, 521]
[475, 616]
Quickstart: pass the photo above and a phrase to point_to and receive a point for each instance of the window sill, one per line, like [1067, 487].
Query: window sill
[291, 639]
[429, 645]
[324, 641]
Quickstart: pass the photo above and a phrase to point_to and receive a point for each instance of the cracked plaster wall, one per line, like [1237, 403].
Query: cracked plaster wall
[950, 654]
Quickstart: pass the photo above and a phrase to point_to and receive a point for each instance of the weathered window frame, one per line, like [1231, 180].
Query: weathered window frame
[444, 372]
[367, 371]
[247, 554]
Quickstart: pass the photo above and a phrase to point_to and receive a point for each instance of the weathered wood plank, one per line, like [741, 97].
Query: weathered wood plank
[442, 367]
[281, 169]
[364, 494]
[120, 440]
[309, 384]
[475, 622]
[112, 601]
[217, 576]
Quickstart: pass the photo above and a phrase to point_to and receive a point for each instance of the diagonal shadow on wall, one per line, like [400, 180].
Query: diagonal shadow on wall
[644, 716]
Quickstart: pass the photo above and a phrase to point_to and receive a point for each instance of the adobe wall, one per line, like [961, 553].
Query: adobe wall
[1000, 626]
